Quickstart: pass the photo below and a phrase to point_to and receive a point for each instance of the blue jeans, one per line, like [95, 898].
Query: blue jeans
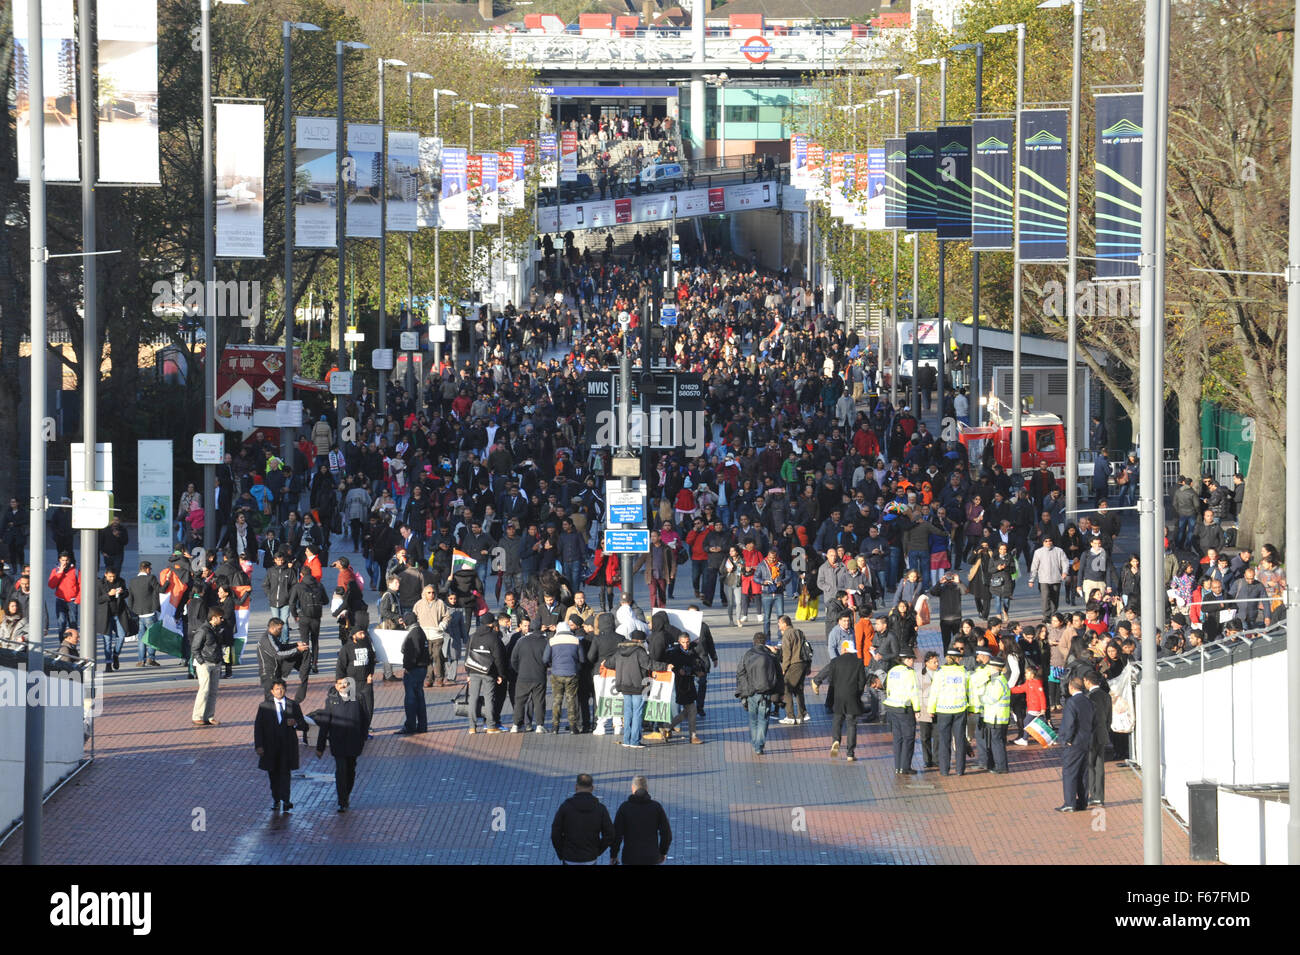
[770, 603]
[573, 571]
[1186, 528]
[66, 615]
[417, 714]
[633, 709]
[281, 613]
[894, 568]
[114, 637]
[483, 568]
[919, 560]
[146, 621]
[757, 707]
[372, 573]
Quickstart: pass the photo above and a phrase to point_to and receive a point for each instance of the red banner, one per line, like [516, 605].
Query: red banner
[622, 210]
[474, 170]
[716, 201]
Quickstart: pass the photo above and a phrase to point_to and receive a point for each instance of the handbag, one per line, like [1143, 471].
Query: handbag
[460, 702]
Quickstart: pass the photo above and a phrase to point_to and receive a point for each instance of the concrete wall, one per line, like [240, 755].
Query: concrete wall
[64, 736]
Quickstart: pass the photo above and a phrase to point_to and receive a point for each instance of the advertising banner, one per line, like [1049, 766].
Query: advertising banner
[815, 183]
[1044, 205]
[361, 179]
[798, 160]
[568, 155]
[241, 180]
[58, 58]
[895, 183]
[453, 205]
[474, 181]
[992, 186]
[426, 209]
[836, 199]
[154, 485]
[875, 190]
[921, 198]
[127, 40]
[505, 182]
[519, 176]
[489, 206]
[549, 160]
[1119, 185]
[403, 180]
[953, 182]
[594, 214]
[315, 183]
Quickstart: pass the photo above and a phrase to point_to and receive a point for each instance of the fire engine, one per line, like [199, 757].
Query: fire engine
[1042, 441]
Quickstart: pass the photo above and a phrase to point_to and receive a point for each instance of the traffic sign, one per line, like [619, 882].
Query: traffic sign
[627, 542]
[341, 383]
[410, 341]
[103, 466]
[381, 359]
[668, 315]
[209, 448]
[677, 252]
[626, 507]
[437, 333]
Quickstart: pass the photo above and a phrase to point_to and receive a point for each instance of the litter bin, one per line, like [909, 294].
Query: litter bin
[1203, 820]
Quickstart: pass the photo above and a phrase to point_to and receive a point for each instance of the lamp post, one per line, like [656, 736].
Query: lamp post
[341, 205]
[1072, 261]
[286, 434]
[437, 318]
[916, 275]
[501, 219]
[383, 234]
[978, 385]
[410, 247]
[942, 63]
[473, 271]
[852, 296]
[1019, 29]
[893, 288]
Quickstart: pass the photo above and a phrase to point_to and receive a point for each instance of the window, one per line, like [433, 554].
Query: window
[1045, 440]
[742, 114]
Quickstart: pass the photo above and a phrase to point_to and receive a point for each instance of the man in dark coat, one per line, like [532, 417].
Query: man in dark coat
[307, 604]
[582, 829]
[275, 660]
[848, 679]
[275, 737]
[1099, 695]
[1076, 736]
[356, 659]
[641, 829]
[343, 724]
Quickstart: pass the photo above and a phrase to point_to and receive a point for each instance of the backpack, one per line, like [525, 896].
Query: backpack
[805, 648]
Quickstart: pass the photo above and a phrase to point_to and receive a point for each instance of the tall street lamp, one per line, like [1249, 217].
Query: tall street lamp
[916, 274]
[411, 75]
[1072, 261]
[1019, 29]
[940, 304]
[437, 318]
[286, 434]
[975, 411]
[383, 233]
[340, 203]
[893, 288]
[852, 297]
[501, 219]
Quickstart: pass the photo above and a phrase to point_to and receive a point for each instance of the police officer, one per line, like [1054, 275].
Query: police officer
[948, 700]
[975, 722]
[996, 700]
[902, 700]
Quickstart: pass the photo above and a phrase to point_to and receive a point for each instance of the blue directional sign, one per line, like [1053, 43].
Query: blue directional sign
[627, 542]
[626, 514]
[677, 252]
[668, 315]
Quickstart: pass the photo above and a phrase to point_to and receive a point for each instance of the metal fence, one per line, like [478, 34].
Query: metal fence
[1221, 464]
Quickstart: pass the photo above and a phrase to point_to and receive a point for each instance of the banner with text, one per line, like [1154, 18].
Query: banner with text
[519, 176]
[992, 185]
[874, 189]
[920, 181]
[154, 485]
[241, 180]
[505, 182]
[815, 173]
[127, 127]
[58, 57]
[568, 156]
[1043, 209]
[1119, 185]
[489, 205]
[952, 182]
[430, 182]
[603, 213]
[798, 160]
[453, 205]
[403, 180]
[549, 159]
[315, 183]
[361, 179]
[895, 183]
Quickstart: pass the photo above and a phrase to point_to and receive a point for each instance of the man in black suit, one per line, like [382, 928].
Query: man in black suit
[344, 725]
[847, 678]
[275, 737]
[1076, 737]
[1099, 696]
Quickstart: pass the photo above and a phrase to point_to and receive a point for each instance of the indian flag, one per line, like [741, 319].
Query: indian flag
[461, 561]
[1041, 731]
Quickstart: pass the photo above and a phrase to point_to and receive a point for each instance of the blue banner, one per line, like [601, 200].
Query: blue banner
[992, 185]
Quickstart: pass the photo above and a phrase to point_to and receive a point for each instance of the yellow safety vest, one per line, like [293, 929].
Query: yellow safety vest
[978, 680]
[997, 700]
[900, 688]
[948, 689]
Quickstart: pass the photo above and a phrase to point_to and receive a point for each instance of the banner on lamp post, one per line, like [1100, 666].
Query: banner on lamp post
[837, 201]
[426, 208]
[1043, 205]
[895, 183]
[815, 172]
[519, 175]
[874, 189]
[403, 180]
[952, 182]
[126, 33]
[549, 158]
[798, 160]
[315, 183]
[992, 185]
[489, 205]
[240, 181]
[474, 189]
[505, 182]
[1118, 185]
[453, 204]
[60, 112]
[920, 181]
[569, 156]
[361, 177]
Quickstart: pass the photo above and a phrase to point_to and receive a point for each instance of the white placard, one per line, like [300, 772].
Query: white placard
[103, 467]
[381, 359]
[90, 509]
[341, 383]
[409, 341]
[438, 333]
[154, 463]
[354, 336]
[454, 323]
[288, 414]
[209, 448]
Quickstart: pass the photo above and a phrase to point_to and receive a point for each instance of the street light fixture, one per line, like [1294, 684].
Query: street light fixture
[288, 26]
[437, 318]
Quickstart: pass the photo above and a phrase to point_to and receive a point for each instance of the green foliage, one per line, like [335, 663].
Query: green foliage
[315, 359]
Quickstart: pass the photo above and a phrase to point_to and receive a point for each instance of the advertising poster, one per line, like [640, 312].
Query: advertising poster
[361, 179]
[837, 200]
[474, 184]
[241, 180]
[920, 181]
[58, 59]
[1044, 205]
[992, 188]
[127, 39]
[489, 200]
[798, 160]
[875, 189]
[953, 182]
[430, 182]
[895, 183]
[815, 185]
[403, 182]
[569, 156]
[519, 164]
[505, 182]
[453, 204]
[314, 183]
[549, 160]
[154, 477]
[1119, 185]
[658, 207]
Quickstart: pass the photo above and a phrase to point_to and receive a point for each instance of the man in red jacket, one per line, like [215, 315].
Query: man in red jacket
[65, 581]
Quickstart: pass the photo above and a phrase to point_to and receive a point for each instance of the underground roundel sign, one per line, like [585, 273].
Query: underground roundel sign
[756, 49]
